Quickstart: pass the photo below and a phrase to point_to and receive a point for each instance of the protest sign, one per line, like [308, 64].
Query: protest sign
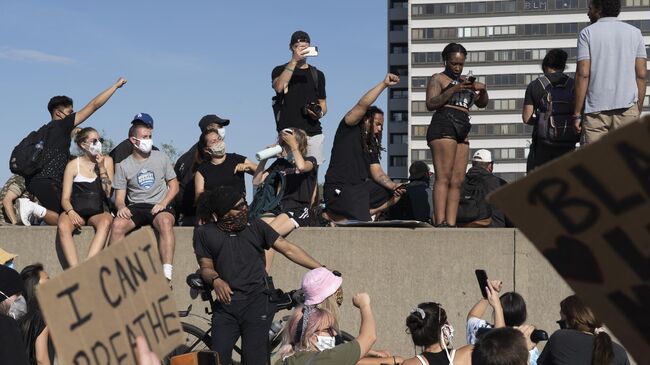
[588, 213]
[95, 310]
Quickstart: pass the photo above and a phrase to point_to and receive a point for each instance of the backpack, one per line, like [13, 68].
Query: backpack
[27, 157]
[268, 195]
[473, 206]
[555, 114]
[277, 102]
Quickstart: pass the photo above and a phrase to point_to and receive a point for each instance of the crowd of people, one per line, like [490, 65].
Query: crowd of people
[137, 185]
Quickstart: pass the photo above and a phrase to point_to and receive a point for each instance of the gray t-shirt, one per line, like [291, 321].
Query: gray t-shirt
[613, 47]
[145, 181]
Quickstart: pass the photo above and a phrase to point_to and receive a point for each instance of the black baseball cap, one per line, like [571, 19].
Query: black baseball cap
[10, 282]
[418, 170]
[211, 118]
[297, 35]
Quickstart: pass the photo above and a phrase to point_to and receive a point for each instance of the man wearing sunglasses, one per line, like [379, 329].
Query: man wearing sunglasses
[45, 185]
[230, 251]
[299, 101]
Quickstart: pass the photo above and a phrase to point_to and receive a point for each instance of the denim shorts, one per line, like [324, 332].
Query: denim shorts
[449, 123]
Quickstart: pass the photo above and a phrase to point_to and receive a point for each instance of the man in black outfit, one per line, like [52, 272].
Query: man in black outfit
[300, 95]
[354, 168]
[481, 172]
[230, 253]
[415, 204]
[12, 348]
[46, 184]
[184, 202]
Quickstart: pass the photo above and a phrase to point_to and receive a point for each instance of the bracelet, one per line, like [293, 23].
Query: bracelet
[577, 117]
[68, 211]
[288, 68]
[214, 278]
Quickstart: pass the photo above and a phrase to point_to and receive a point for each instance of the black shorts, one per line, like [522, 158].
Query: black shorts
[355, 201]
[48, 193]
[300, 216]
[141, 213]
[449, 123]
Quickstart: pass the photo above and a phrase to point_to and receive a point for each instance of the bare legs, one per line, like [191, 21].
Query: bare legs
[449, 164]
[100, 222]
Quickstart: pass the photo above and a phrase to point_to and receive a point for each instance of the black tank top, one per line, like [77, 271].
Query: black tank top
[436, 358]
[464, 98]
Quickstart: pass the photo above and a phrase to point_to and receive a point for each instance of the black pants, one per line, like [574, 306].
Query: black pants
[541, 153]
[249, 319]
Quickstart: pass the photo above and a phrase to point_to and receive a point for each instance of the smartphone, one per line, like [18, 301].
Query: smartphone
[401, 186]
[482, 278]
[312, 52]
[471, 79]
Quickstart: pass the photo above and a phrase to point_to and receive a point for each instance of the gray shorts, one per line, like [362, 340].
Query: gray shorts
[315, 148]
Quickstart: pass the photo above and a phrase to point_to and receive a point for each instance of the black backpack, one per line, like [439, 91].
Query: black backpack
[473, 206]
[278, 100]
[268, 195]
[27, 157]
[555, 114]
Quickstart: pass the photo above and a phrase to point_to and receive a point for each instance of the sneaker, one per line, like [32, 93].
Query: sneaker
[25, 209]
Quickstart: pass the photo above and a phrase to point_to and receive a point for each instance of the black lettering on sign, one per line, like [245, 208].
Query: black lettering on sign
[147, 249]
[574, 214]
[156, 325]
[79, 356]
[615, 206]
[638, 163]
[121, 273]
[103, 271]
[136, 270]
[166, 315]
[622, 244]
[636, 311]
[574, 260]
[131, 338]
[119, 357]
[80, 319]
[100, 352]
[138, 321]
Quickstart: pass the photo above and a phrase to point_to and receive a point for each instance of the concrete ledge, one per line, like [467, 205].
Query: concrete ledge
[398, 267]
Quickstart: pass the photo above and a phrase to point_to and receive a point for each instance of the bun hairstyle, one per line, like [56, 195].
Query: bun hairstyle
[81, 135]
[580, 317]
[425, 329]
[453, 48]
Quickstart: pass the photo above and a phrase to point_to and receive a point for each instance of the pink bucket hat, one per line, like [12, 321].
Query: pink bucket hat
[318, 284]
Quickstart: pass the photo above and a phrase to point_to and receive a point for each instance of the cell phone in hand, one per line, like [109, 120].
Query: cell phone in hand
[471, 79]
[312, 51]
[401, 186]
[481, 277]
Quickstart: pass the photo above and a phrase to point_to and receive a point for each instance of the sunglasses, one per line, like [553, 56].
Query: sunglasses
[95, 140]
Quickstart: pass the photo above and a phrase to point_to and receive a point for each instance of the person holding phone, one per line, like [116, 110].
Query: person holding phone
[450, 95]
[299, 100]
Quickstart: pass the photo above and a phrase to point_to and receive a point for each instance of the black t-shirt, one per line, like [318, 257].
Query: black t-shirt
[302, 91]
[123, 150]
[238, 257]
[183, 168]
[299, 187]
[535, 91]
[571, 347]
[223, 173]
[57, 148]
[12, 348]
[348, 163]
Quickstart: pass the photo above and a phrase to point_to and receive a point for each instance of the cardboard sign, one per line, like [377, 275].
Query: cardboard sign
[95, 310]
[589, 215]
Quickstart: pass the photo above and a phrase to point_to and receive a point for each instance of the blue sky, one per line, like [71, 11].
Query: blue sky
[182, 60]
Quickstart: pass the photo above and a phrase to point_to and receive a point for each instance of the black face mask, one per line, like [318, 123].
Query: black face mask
[234, 223]
[450, 73]
[562, 324]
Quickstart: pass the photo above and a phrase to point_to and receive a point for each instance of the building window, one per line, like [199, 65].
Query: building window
[394, 4]
[398, 161]
[399, 138]
[420, 82]
[398, 25]
[419, 131]
[419, 107]
[399, 94]
[510, 176]
[505, 154]
[399, 48]
[421, 155]
[399, 70]
[501, 130]
[399, 116]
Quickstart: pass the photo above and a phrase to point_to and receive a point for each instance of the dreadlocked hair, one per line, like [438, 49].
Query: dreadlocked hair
[369, 142]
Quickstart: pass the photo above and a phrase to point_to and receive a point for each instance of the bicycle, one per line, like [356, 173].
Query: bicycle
[197, 339]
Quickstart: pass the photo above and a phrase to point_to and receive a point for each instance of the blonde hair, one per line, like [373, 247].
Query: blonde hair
[301, 138]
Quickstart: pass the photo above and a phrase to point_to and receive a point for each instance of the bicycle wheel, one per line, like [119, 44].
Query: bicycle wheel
[195, 339]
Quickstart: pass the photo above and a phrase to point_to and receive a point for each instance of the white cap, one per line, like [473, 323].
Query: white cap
[482, 156]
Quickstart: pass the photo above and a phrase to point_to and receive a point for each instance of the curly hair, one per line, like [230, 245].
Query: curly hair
[608, 8]
[370, 142]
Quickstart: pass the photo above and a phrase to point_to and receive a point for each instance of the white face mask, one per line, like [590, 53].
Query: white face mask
[325, 342]
[218, 149]
[95, 148]
[18, 308]
[222, 132]
[145, 145]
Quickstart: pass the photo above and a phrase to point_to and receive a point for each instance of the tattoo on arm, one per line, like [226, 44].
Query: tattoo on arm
[385, 181]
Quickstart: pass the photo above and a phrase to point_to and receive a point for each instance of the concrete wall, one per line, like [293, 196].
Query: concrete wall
[398, 267]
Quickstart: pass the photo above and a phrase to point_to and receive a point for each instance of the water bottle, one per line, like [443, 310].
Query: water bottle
[38, 150]
[268, 152]
[470, 76]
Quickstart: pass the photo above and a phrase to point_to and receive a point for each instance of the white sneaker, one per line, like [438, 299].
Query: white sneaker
[25, 209]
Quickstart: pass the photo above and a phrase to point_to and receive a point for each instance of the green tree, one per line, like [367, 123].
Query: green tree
[107, 143]
[170, 150]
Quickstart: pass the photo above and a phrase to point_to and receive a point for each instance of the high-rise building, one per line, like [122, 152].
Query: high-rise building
[506, 41]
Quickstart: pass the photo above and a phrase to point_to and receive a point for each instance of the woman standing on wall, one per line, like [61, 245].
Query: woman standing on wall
[450, 95]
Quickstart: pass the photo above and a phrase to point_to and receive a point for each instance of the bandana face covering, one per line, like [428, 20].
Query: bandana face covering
[234, 223]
